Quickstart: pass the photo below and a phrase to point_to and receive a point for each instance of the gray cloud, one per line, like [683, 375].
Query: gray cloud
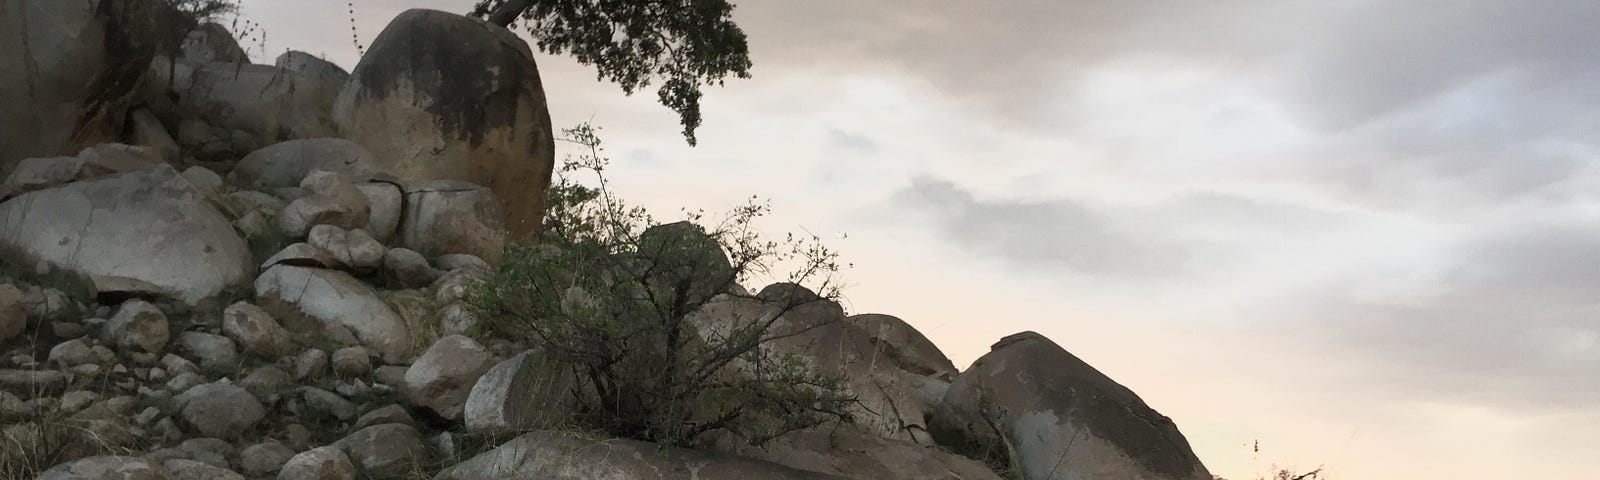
[1510, 325]
[1058, 234]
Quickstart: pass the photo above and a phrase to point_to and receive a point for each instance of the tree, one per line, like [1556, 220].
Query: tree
[615, 302]
[683, 44]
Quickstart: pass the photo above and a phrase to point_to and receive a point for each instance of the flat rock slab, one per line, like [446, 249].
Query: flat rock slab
[149, 225]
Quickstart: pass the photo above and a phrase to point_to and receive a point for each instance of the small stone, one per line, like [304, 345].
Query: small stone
[264, 459]
[391, 375]
[328, 403]
[256, 331]
[138, 325]
[322, 463]
[215, 352]
[68, 329]
[388, 414]
[148, 416]
[310, 365]
[409, 268]
[70, 353]
[352, 361]
[220, 410]
[184, 381]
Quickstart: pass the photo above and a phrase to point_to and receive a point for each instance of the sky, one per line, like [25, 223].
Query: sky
[1362, 234]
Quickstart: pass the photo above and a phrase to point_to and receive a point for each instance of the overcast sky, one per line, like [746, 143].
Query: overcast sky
[1365, 233]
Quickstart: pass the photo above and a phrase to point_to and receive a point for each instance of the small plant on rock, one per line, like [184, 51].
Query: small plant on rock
[611, 293]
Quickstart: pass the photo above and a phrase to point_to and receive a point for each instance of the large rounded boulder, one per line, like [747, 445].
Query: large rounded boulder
[1059, 417]
[68, 73]
[150, 225]
[442, 96]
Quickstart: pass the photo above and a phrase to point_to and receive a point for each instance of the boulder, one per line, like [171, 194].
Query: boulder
[312, 66]
[904, 346]
[107, 468]
[388, 451]
[409, 268]
[443, 96]
[149, 225]
[137, 325]
[523, 393]
[220, 410]
[185, 469]
[13, 311]
[69, 73]
[204, 179]
[256, 331]
[209, 43]
[268, 103]
[443, 377]
[1062, 417]
[450, 216]
[814, 329]
[546, 454]
[266, 382]
[327, 403]
[217, 354]
[322, 463]
[286, 164]
[147, 131]
[97, 161]
[387, 201]
[352, 362]
[682, 254]
[354, 248]
[857, 455]
[332, 200]
[334, 298]
[264, 459]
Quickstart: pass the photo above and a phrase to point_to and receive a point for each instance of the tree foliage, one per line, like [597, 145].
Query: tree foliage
[615, 301]
[683, 44]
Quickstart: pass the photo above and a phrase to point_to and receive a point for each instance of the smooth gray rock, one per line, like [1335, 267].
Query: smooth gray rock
[107, 468]
[209, 43]
[268, 103]
[388, 451]
[216, 353]
[322, 463]
[150, 225]
[220, 410]
[286, 164]
[312, 66]
[409, 268]
[442, 377]
[523, 393]
[264, 459]
[387, 201]
[336, 298]
[185, 469]
[448, 216]
[333, 200]
[13, 311]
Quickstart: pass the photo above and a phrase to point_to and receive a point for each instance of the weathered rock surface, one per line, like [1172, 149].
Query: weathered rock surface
[387, 201]
[449, 216]
[904, 346]
[264, 459]
[388, 451]
[13, 311]
[150, 225]
[209, 43]
[816, 330]
[185, 469]
[271, 104]
[256, 331]
[336, 298]
[1051, 401]
[862, 456]
[312, 66]
[322, 463]
[216, 353]
[546, 454]
[523, 393]
[107, 468]
[443, 377]
[220, 410]
[333, 200]
[442, 96]
[285, 164]
[138, 325]
[409, 268]
[68, 73]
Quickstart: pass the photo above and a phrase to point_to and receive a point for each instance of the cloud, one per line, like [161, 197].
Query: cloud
[1507, 322]
[1053, 234]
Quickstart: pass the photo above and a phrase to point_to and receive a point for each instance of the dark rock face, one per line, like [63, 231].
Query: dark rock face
[1061, 417]
[68, 73]
[441, 96]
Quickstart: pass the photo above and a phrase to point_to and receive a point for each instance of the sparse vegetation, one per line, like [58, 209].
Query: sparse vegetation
[612, 299]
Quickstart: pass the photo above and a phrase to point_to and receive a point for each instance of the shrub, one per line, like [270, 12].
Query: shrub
[613, 299]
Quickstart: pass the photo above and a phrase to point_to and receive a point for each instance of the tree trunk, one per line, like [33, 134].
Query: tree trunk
[509, 12]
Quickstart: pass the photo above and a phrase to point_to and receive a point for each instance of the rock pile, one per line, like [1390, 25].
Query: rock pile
[267, 280]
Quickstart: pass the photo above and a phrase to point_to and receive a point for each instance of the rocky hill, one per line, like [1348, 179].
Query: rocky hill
[220, 270]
